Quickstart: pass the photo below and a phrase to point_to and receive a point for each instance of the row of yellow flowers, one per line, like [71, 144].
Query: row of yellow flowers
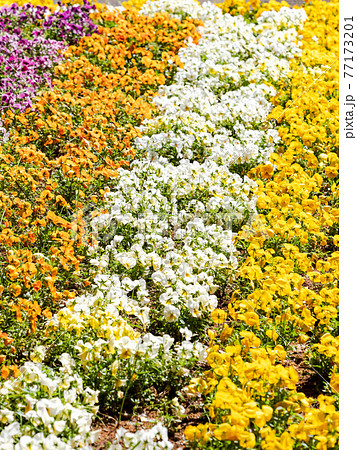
[288, 295]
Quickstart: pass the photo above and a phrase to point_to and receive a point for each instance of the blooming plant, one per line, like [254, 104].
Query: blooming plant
[292, 272]
[52, 172]
[32, 41]
[57, 404]
[156, 437]
[170, 226]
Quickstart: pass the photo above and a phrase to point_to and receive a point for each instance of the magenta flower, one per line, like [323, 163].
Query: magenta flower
[32, 42]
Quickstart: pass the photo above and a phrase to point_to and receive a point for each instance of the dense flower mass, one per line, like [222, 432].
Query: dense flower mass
[292, 271]
[32, 41]
[169, 233]
[57, 404]
[23, 68]
[58, 158]
[70, 23]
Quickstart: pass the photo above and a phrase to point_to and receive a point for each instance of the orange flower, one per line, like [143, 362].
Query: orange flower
[37, 285]
[267, 171]
[15, 371]
[30, 268]
[58, 220]
[15, 289]
[6, 338]
[5, 372]
[47, 313]
[12, 272]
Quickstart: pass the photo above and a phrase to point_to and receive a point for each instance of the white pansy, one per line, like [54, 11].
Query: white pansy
[127, 259]
[10, 431]
[48, 412]
[149, 439]
[126, 347]
[59, 426]
[6, 415]
[38, 353]
[171, 313]
[67, 362]
[177, 409]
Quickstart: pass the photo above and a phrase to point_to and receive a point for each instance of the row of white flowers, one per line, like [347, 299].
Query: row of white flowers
[165, 243]
[223, 91]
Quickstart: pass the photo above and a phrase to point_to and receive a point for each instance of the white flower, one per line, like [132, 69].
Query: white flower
[200, 351]
[167, 342]
[6, 415]
[143, 316]
[59, 426]
[70, 395]
[127, 259]
[126, 347]
[177, 409]
[85, 351]
[159, 278]
[186, 333]
[10, 431]
[38, 354]
[154, 259]
[149, 439]
[67, 362]
[185, 270]
[171, 313]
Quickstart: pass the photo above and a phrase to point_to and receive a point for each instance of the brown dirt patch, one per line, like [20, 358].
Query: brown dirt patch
[310, 383]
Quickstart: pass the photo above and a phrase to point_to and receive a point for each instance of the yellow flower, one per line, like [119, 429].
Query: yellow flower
[247, 439]
[251, 319]
[197, 385]
[114, 367]
[335, 381]
[233, 350]
[214, 359]
[331, 172]
[249, 339]
[267, 171]
[226, 332]
[211, 334]
[199, 433]
[223, 432]
[191, 433]
[218, 316]
[271, 333]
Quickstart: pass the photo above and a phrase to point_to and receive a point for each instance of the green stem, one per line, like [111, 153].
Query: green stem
[126, 391]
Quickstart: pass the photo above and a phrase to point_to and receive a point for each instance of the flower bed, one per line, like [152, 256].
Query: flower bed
[62, 154]
[288, 296]
[196, 275]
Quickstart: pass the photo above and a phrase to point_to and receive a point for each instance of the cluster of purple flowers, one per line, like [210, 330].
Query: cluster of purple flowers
[71, 23]
[25, 66]
[13, 18]
[32, 41]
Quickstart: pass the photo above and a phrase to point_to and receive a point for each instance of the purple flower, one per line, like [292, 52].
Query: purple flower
[70, 23]
[26, 63]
